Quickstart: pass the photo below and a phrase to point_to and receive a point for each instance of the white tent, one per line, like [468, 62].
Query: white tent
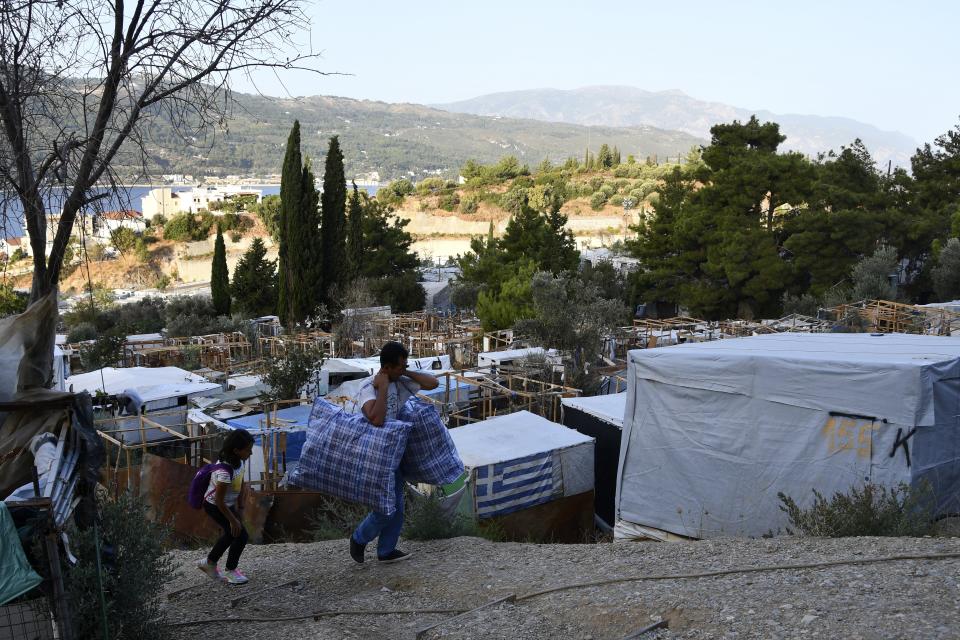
[520, 460]
[713, 431]
[152, 388]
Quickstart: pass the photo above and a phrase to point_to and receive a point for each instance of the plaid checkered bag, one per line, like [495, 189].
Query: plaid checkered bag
[431, 456]
[349, 458]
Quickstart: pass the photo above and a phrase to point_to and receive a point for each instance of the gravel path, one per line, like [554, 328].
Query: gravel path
[897, 599]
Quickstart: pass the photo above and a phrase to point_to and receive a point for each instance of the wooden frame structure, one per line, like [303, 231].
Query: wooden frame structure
[884, 316]
[488, 396]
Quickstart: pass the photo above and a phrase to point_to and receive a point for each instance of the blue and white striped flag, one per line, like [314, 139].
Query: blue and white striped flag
[509, 486]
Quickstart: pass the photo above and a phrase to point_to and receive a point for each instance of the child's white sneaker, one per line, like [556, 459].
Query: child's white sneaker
[210, 569]
[234, 576]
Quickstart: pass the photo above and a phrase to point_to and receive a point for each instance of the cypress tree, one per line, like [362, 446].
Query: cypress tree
[616, 157]
[220, 277]
[333, 202]
[290, 199]
[310, 240]
[355, 234]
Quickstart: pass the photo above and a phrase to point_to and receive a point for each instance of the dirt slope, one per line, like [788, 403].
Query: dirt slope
[895, 599]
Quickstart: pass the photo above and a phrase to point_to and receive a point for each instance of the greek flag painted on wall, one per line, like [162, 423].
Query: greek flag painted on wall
[509, 486]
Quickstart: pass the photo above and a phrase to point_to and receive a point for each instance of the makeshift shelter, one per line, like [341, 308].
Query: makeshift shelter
[150, 389]
[601, 418]
[493, 359]
[533, 476]
[713, 431]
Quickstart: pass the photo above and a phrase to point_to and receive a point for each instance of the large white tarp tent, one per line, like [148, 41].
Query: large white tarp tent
[713, 431]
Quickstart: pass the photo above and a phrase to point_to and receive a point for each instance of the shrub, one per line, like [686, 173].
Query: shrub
[140, 251]
[18, 254]
[449, 201]
[123, 239]
[403, 292]
[870, 510]
[335, 519]
[106, 351]
[426, 519]
[470, 203]
[805, 304]
[287, 374]
[598, 200]
[182, 227]
[135, 568]
[430, 186]
[513, 200]
[12, 302]
[82, 332]
[616, 200]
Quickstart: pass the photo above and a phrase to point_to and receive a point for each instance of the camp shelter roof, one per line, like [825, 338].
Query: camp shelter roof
[510, 437]
[243, 393]
[340, 365]
[509, 354]
[150, 382]
[295, 417]
[885, 376]
[609, 408]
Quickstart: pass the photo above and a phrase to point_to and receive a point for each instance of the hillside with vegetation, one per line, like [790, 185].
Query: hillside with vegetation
[384, 140]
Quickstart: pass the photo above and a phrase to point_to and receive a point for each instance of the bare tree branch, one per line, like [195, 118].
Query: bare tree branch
[82, 80]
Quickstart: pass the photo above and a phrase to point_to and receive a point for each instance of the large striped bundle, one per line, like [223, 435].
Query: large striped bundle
[431, 455]
[347, 457]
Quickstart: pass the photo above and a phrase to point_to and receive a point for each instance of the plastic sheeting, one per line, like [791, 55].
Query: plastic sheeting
[520, 460]
[713, 431]
[16, 576]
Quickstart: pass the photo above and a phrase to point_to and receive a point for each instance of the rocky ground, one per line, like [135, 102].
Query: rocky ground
[912, 598]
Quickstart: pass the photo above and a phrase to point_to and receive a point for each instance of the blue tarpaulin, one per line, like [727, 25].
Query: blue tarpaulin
[293, 420]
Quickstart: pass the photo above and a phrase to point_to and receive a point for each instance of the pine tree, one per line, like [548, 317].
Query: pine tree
[220, 277]
[616, 157]
[333, 203]
[290, 197]
[354, 234]
[254, 285]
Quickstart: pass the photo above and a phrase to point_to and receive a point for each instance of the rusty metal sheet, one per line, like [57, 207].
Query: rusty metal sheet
[568, 520]
[292, 516]
[164, 484]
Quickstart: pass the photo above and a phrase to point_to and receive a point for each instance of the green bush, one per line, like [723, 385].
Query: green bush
[470, 203]
[82, 332]
[616, 200]
[598, 200]
[183, 227]
[870, 510]
[105, 351]
[288, 373]
[335, 519]
[449, 201]
[135, 568]
[425, 519]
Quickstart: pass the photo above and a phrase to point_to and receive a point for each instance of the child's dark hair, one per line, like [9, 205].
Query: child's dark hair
[236, 439]
[392, 353]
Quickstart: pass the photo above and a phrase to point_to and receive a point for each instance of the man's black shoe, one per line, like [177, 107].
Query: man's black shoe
[394, 556]
[356, 550]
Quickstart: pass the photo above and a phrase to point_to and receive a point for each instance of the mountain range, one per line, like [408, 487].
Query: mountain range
[619, 106]
[386, 141]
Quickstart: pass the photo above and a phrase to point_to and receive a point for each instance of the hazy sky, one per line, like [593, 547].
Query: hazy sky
[894, 64]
